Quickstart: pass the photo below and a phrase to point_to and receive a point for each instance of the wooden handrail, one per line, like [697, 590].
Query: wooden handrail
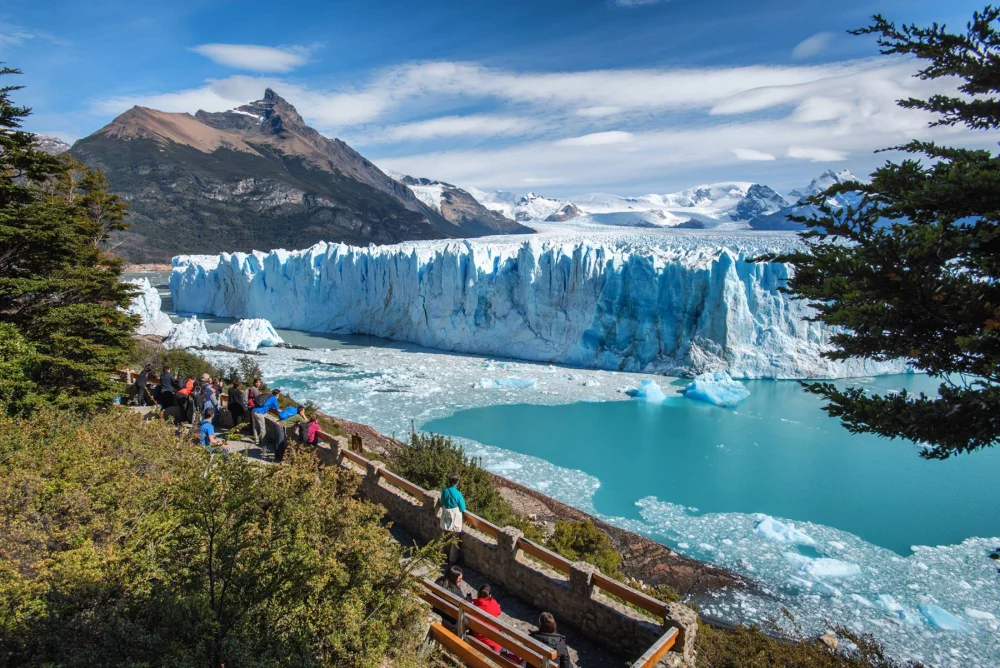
[404, 484]
[355, 457]
[626, 593]
[463, 650]
[659, 649]
[548, 557]
[479, 524]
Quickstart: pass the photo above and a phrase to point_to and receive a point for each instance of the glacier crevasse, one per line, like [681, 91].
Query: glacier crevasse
[677, 307]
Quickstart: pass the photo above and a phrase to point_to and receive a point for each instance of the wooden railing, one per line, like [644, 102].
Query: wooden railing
[659, 650]
[468, 655]
[547, 557]
[643, 601]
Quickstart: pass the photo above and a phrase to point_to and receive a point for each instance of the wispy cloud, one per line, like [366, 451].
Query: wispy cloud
[751, 154]
[598, 139]
[13, 35]
[635, 3]
[254, 58]
[816, 154]
[455, 126]
[812, 46]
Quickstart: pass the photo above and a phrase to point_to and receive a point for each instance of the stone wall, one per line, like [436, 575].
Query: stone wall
[570, 595]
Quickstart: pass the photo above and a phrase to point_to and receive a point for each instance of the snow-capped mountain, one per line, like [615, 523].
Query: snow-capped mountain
[51, 145]
[759, 200]
[459, 207]
[778, 219]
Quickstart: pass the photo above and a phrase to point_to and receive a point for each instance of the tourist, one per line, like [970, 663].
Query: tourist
[484, 601]
[452, 581]
[297, 417]
[547, 634]
[206, 432]
[452, 508]
[209, 397]
[140, 385]
[237, 402]
[166, 380]
[253, 400]
[258, 413]
[188, 387]
[312, 430]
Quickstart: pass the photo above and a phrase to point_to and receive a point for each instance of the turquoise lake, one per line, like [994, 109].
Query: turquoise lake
[778, 453]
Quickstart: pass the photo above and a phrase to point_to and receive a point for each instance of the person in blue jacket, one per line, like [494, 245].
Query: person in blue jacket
[258, 413]
[452, 508]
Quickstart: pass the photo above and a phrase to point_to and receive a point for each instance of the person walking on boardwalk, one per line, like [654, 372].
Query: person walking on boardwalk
[452, 509]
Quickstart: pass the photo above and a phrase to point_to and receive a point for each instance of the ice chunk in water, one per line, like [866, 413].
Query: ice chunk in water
[980, 614]
[823, 567]
[190, 333]
[717, 388]
[781, 532]
[248, 334]
[648, 391]
[505, 384]
[891, 606]
[941, 618]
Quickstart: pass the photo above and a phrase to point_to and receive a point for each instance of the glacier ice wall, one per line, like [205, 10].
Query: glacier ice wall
[677, 307]
[147, 306]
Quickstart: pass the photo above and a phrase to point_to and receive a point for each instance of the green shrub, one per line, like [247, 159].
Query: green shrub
[430, 458]
[245, 370]
[182, 363]
[582, 541]
[124, 545]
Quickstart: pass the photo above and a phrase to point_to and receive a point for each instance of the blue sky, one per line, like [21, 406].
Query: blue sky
[560, 97]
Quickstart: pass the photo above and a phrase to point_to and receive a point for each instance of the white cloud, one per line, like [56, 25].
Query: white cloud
[454, 126]
[598, 139]
[255, 58]
[812, 46]
[751, 154]
[636, 3]
[816, 154]
[598, 112]
[12, 35]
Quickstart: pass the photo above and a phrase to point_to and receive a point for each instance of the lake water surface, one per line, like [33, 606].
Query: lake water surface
[777, 454]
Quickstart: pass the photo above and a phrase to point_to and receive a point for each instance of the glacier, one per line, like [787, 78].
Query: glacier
[248, 334]
[675, 304]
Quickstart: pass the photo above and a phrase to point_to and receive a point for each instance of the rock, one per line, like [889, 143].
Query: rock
[830, 640]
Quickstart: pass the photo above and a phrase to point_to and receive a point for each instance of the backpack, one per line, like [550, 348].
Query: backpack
[250, 403]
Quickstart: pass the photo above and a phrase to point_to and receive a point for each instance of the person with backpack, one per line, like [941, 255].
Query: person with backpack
[547, 634]
[209, 397]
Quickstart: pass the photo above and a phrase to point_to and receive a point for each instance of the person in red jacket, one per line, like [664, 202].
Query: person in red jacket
[489, 605]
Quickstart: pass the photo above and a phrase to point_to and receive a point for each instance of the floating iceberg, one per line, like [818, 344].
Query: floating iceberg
[780, 532]
[248, 334]
[823, 567]
[663, 303]
[189, 333]
[940, 618]
[147, 305]
[648, 391]
[717, 388]
[505, 384]
[895, 610]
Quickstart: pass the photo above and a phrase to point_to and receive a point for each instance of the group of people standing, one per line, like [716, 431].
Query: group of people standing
[200, 402]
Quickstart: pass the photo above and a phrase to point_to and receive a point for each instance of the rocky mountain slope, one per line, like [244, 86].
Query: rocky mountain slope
[460, 208]
[51, 145]
[255, 177]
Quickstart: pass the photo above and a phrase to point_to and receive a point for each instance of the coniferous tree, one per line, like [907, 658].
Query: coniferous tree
[913, 270]
[58, 288]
